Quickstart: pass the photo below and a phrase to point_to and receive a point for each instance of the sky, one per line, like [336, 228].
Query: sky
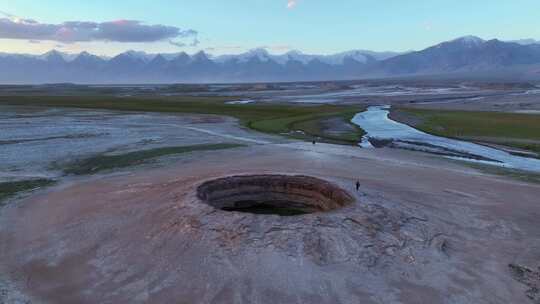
[109, 27]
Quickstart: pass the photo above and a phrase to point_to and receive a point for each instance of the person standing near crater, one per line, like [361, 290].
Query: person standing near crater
[357, 185]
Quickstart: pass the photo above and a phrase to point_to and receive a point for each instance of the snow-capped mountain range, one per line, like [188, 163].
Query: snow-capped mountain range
[261, 53]
[334, 59]
[465, 54]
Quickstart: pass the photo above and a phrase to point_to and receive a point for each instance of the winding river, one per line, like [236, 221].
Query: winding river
[379, 127]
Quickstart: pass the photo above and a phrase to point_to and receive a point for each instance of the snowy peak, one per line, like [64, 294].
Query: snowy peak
[296, 55]
[201, 56]
[299, 56]
[85, 54]
[526, 41]
[339, 58]
[138, 55]
[334, 59]
[465, 42]
[53, 56]
[158, 59]
[471, 41]
[182, 57]
[259, 53]
[85, 57]
[56, 55]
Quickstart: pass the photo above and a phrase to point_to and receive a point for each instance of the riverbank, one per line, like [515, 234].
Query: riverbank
[376, 122]
[272, 118]
[514, 130]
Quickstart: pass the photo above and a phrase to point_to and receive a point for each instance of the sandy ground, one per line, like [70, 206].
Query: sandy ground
[422, 230]
[35, 142]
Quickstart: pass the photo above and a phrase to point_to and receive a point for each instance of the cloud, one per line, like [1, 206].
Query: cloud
[292, 4]
[195, 42]
[226, 48]
[12, 27]
[179, 44]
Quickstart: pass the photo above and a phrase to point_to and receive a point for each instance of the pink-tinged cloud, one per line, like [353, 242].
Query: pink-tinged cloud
[292, 4]
[12, 27]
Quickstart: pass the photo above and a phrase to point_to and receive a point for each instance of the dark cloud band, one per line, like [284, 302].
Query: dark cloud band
[78, 31]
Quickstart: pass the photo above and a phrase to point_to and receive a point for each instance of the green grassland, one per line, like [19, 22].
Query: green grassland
[8, 189]
[269, 118]
[509, 129]
[524, 176]
[314, 127]
[104, 162]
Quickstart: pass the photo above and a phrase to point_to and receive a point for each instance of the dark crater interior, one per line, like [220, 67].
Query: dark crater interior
[282, 195]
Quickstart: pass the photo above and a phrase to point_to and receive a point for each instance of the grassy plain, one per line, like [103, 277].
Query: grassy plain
[508, 129]
[8, 189]
[281, 119]
[107, 162]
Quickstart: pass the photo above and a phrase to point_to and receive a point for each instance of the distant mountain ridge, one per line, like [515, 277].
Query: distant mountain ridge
[261, 53]
[467, 54]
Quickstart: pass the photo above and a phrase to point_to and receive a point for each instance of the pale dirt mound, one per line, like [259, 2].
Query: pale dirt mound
[412, 234]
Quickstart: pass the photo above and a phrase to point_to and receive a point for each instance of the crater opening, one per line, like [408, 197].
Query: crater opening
[282, 195]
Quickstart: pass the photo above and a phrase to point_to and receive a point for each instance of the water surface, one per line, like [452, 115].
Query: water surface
[379, 126]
